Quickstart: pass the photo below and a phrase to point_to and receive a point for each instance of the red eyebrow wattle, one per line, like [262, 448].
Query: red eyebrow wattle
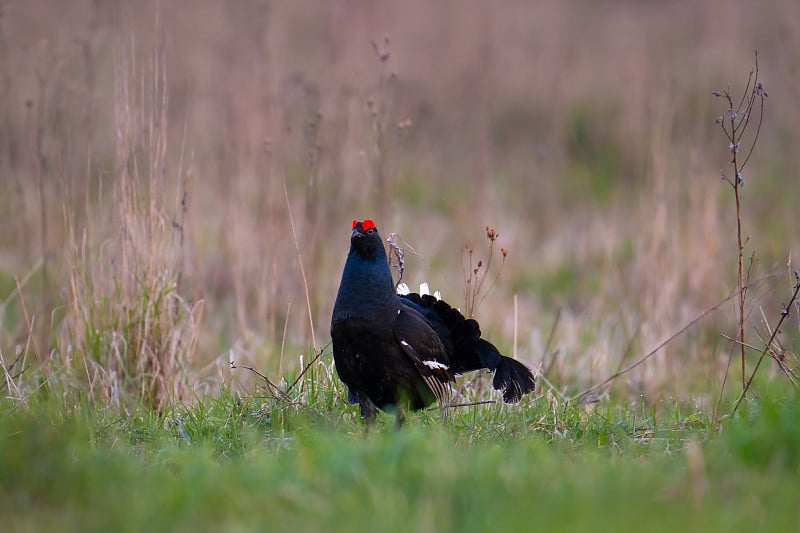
[368, 224]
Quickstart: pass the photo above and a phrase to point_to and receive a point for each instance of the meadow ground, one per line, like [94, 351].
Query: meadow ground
[177, 182]
[253, 464]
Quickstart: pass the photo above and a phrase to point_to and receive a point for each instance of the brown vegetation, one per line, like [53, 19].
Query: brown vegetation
[146, 237]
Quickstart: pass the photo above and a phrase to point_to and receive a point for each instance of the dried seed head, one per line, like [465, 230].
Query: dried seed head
[383, 54]
[504, 252]
[397, 253]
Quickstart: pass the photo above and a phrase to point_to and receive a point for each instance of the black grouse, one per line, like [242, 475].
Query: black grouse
[402, 351]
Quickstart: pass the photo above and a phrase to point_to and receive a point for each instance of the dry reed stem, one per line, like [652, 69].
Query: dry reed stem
[300, 262]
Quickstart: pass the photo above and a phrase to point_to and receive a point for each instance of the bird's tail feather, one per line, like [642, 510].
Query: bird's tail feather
[514, 378]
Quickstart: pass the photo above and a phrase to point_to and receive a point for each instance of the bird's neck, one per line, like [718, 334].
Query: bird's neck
[366, 288]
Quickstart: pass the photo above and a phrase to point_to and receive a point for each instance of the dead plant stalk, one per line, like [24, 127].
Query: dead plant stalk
[734, 125]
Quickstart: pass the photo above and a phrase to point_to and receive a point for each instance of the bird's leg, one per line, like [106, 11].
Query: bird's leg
[399, 417]
[368, 409]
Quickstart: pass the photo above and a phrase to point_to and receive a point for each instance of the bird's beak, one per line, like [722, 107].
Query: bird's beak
[356, 233]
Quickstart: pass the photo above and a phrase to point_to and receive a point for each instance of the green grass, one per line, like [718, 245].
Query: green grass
[253, 464]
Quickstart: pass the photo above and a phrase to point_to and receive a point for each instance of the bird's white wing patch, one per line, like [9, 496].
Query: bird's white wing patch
[424, 289]
[435, 365]
[430, 363]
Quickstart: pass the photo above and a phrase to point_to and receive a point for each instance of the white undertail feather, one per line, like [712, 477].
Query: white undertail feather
[424, 288]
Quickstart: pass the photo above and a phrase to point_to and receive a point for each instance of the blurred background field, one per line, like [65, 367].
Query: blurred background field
[158, 158]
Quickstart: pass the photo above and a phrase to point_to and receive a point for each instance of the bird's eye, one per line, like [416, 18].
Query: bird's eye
[371, 230]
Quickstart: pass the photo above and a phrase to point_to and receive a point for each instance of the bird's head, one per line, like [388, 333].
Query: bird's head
[364, 239]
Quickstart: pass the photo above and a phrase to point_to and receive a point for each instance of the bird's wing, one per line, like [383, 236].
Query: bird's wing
[420, 343]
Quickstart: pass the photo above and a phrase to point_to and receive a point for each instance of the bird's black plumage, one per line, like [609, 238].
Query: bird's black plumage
[397, 351]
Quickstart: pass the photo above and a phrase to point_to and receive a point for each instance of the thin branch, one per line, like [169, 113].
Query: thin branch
[727, 133]
[774, 352]
[758, 132]
[784, 314]
[737, 341]
[747, 87]
[316, 358]
[272, 387]
[467, 404]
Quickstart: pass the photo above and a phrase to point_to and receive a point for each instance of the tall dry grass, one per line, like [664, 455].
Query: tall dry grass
[144, 155]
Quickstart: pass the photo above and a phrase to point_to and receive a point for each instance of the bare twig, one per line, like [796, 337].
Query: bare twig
[778, 353]
[276, 392]
[784, 313]
[467, 404]
[475, 274]
[738, 119]
[397, 255]
[302, 373]
[737, 341]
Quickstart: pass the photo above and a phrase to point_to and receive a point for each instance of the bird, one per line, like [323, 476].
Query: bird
[397, 352]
